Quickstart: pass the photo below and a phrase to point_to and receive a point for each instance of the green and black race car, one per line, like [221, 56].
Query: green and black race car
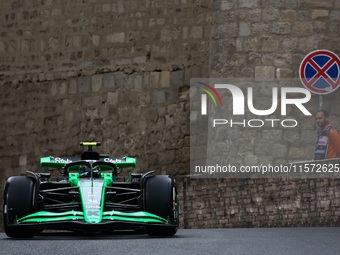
[90, 196]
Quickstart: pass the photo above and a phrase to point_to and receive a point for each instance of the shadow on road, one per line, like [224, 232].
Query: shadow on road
[69, 235]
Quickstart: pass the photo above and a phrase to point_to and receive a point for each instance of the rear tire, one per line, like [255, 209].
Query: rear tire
[19, 201]
[159, 192]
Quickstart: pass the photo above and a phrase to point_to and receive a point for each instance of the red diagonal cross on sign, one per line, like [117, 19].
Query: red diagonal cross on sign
[321, 72]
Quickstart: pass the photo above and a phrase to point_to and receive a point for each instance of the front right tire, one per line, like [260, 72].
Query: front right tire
[160, 194]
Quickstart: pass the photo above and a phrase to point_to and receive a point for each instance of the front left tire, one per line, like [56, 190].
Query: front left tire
[19, 201]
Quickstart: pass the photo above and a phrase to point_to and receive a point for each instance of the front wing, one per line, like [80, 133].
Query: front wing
[75, 220]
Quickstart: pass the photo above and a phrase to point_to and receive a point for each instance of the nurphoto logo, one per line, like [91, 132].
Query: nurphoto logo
[238, 104]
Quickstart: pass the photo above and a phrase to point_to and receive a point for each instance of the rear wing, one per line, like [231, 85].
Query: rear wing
[60, 162]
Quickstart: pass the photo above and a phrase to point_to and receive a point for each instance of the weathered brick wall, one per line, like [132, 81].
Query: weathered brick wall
[43, 36]
[111, 71]
[118, 72]
[51, 117]
[269, 39]
[230, 203]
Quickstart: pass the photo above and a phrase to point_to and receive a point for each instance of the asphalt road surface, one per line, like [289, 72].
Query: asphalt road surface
[275, 241]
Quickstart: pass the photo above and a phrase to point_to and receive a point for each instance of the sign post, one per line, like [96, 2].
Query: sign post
[320, 103]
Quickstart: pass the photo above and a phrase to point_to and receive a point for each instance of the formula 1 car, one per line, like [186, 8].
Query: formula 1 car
[90, 196]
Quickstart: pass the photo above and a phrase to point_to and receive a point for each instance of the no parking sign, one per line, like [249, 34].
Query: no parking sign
[320, 72]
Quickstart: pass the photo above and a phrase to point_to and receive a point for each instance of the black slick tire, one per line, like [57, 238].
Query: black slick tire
[158, 200]
[19, 201]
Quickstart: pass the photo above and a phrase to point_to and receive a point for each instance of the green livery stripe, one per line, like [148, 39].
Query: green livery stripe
[51, 214]
[48, 216]
[43, 216]
[66, 218]
[118, 218]
[136, 216]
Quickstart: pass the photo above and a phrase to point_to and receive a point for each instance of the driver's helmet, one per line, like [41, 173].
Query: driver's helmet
[84, 169]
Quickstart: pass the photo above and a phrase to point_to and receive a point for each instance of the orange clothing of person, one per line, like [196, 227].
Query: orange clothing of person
[333, 150]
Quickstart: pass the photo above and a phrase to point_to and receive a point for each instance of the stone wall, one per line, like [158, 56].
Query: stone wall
[235, 203]
[264, 202]
[51, 117]
[43, 36]
[268, 39]
[111, 71]
[118, 72]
